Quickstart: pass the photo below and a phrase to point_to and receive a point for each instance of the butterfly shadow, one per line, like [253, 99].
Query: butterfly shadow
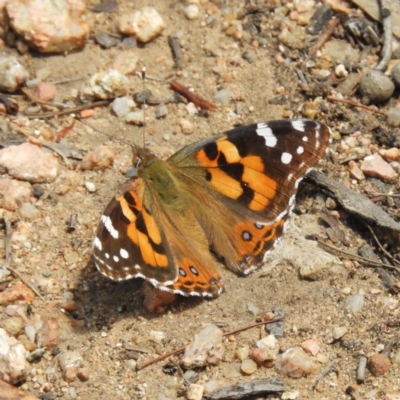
[102, 302]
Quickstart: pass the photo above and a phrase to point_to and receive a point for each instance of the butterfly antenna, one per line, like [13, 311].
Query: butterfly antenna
[144, 105]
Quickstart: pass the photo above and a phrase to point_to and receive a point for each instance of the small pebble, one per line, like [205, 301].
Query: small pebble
[375, 86]
[4, 273]
[264, 357]
[145, 24]
[135, 117]
[186, 126]
[45, 91]
[157, 336]
[309, 110]
[72, 257]
[248, 366]
[330, 204]
[194, 392]
[374, 165]
[125, 62]
[295, 363]
[198, 354]
[242, 353]
[379, 364]
[30, 332]
[105, 40]
[100, 158]
[161, 111]
[339, 331]
[37, 191]
[13, 325]
[29, 211]
[190, 376]
[393, 116]
[341, 71]
[390, 155]
[191, 109]
[129, 42]
[396, 74]
[90, 186]
[12, 74]
[396, 358]
[268, 342]
[106, 85]
[311, 347]
[355, 171]
[354, 303]
[223, 96]
[191, 11]
[253, 308]
[83, 374]
[122, 106]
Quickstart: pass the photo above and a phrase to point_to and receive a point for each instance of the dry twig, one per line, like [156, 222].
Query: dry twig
[356, 103]
[324, 37]
[181, 349]
[380, 245]
[354, 257]
[197, 100]
[72, 110]
[387, 35]
[325, 372]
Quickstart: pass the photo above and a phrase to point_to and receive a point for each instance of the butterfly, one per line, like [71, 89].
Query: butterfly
[225, 199]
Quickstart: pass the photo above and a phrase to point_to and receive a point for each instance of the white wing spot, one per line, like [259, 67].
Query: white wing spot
[296, 184]
[116, 258]
[123, 253]
[109, 226]
[266, 132]
[289, 177]
[97, 243]
[106, 255]
[300, 150]
[298, 125]
[304, 139]
[126, 268]
[291, 200]
[286, 158]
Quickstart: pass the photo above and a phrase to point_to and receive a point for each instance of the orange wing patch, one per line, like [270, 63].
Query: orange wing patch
[194, 278]
[254, 240]
[143, 229]
[234, 175]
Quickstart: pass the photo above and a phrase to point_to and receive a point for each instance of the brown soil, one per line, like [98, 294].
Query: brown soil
[111, 315]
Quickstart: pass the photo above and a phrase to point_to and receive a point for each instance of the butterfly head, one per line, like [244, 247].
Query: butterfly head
[141, 157]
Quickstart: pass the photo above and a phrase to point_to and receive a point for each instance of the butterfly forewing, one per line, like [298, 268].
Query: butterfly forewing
[128, 242]
[255, 171]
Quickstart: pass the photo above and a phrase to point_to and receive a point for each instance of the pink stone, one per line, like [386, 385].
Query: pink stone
[311, 347]
[101, 158]
[18, 293]
[355, 171]
[20, 191]
[29, 163]
[45, 91]
[295, 363]
[49, 26]
[376, 166]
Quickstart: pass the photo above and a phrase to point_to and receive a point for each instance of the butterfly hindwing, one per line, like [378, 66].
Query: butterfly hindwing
[147, 245]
